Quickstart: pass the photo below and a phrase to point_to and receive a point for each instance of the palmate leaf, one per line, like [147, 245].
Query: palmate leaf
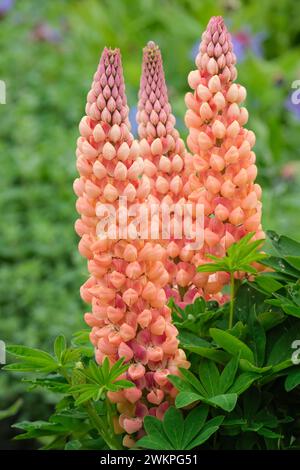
[31, 360]
[208, 430]
[95, 380]
[239, 257]
[175, 433]
[205, 389]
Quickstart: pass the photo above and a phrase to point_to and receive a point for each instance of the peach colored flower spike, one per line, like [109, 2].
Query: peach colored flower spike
[164, 161]
[129, 315]
[224, 172]
[154, 115]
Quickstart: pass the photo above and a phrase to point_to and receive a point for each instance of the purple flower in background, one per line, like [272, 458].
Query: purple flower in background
[45, 33]
[244, 40]
[132, 119]
[293, 107]
[194, 51]
[5, 6]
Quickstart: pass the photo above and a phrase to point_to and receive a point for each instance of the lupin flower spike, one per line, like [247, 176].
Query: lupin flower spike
[164, 163]
[224, 173]
[129, 315]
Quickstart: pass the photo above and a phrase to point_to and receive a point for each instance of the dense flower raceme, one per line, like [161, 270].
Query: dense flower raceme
[129, 315]
[165, 163]
[223, 178]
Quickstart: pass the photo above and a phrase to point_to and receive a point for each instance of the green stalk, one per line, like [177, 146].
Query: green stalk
[231, 304]
[101, 427]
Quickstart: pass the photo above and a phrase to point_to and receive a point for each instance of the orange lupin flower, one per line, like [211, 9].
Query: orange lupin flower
[129, 316]
[165, 161]
[224, 173]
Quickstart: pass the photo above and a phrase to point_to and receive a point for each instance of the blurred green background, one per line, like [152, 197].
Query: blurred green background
[49, 52]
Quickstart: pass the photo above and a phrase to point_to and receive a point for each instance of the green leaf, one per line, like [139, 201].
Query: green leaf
[246, 366]
[225, 401]
[154, 443]
[73, 445]
[55, 384]
[173, 425]
[257, 340]
[209, 429]
[280, 342]
[243, 382]
[294, 261]
[228, 374]
[193, 423]
[216, 355]
[28, 353]
[209, 376]
[191, 340]
[12, 410]
[32, 360]
[280, 265]
[180, 384]
[231, 344]
[292, 380]
[269, 434]
[192, 380]
[186, 398]
[154, 427]
[60, 346]
[121, 384]
[268, 284]
[284, 245]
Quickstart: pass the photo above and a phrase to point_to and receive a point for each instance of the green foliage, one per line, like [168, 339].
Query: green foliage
[84, 417]
[239, 257]
[177, 433]
[214, 388]
[242, 386]
[98, 380]
[40, 269]
[11, 410]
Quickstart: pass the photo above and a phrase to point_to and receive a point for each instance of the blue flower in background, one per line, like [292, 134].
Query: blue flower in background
[45, 33]
[242, 41]
[132, 119]
[194, 51]
[5, 6]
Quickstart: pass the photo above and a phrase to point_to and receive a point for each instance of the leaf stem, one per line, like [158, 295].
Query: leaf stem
[231, 304]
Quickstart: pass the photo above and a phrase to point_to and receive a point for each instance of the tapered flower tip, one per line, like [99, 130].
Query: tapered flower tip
[154, 111]
[216, 56]
[106, 100]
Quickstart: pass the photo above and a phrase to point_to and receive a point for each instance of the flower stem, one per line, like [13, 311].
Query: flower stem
[231, 304]
[102, 427]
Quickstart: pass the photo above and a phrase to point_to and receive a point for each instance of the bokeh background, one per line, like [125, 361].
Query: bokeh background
[49, 51]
